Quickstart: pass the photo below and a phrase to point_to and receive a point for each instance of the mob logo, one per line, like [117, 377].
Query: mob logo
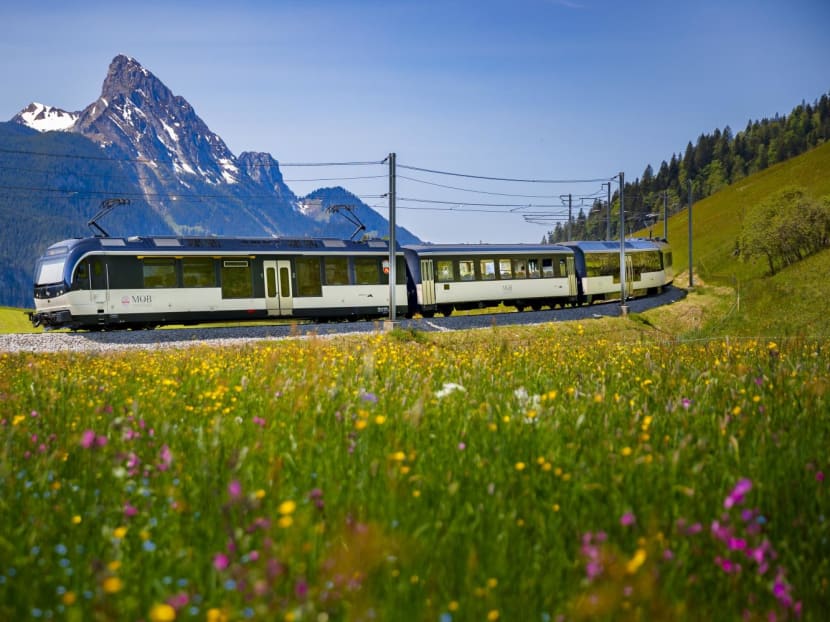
[139, 299]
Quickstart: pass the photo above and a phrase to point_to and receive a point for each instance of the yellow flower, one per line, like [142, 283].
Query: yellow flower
[69, 598]
[635, 562]
[520, 466]
[287, 507]
[162, 612]
[380, 420]
[626, 451]
[259, 494]
[398, 456]
[76, 520]
[119, 532]
[493, 615]
[18, 419]
[111, 585]
[285, 522]
[216, 615]
[360, 424]
[453, 606]
[114, 565]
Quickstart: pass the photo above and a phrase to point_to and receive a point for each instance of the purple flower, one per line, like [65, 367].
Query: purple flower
[819, 476]
[166, 457]
[259, 421]
[220, 561]
[462, 446]
[736, 497]
[130, 510]
[686, 402]
[368, 397]
[627, 519]
[89, 439]
[235, 489]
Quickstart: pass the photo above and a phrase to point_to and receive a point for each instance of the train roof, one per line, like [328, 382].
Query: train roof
[484, 249]
[173, 244]
[614, 245]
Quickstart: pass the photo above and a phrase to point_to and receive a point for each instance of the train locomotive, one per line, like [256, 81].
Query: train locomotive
[107, 283]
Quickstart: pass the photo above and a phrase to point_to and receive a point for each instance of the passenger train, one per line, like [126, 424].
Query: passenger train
[105, 283]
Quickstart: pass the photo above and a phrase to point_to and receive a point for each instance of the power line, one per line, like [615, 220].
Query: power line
[498, 194]
[528, 181]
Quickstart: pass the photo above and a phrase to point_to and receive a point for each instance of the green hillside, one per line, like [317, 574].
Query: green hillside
[716, 220]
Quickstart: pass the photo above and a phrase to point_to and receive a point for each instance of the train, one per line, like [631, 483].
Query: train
[141, 282]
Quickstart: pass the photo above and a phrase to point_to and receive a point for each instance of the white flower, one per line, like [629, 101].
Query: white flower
[448, 388]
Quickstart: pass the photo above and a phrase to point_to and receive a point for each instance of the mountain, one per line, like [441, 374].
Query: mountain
[140, 141]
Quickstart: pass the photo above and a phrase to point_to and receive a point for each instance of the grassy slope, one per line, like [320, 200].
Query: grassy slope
[716, 220]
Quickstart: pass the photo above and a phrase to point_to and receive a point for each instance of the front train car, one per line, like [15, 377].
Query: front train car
[142, 282]
[56, 302]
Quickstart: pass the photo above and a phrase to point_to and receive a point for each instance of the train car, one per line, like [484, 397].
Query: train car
[448, 277]
[648, 268]
[143, 282]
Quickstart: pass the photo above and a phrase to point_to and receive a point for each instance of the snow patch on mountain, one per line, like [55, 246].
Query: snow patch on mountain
[45, 118]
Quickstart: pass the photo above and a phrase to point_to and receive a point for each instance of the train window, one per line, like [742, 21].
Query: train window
[467, 270]
[158, 272]
[337, 271]
[603, 264]
[198, 272]
[308, 276]
[400, 272]
[520, 268]
[547, 268]
[444, 271]
[563, 268]
[366, 271]
[488, 269]
[533, 268]
[81, 278]
[667, 259]
[505, 269]
[236, 279]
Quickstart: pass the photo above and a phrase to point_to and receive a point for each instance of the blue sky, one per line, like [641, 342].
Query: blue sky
[530, 89]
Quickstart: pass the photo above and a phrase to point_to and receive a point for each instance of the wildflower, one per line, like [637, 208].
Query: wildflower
[627, 519]
[520, 466]
[220, 561]
[287, 507]
[216, 615]
[449, 387]
[119, 532]
[462, 446]
[129, 510]
[368, 396]
[819, 476]
[166, 457]
[111, 585]
[635, 562]
[493, 615]
[736, 497]
[162, 612]
[686, 403]
[235, 489]
[259, 421]
[89, 439]
[76, 520]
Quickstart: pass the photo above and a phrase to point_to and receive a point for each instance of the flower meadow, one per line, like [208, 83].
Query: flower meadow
[503, 474]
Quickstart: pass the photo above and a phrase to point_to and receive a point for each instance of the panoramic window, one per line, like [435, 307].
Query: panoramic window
[533, 268]
[159, 272]
[505, 269]
[366, 271]
[520, 268]
[488, 269]
[547, 268]
[198, 272]
[443, 271]
[308, 276]
[337, 271]
[236, 279]
[467, 270]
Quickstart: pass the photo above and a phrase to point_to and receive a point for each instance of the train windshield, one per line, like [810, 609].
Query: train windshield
[50, 271]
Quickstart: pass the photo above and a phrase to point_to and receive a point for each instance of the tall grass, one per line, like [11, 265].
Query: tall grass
[514, 474]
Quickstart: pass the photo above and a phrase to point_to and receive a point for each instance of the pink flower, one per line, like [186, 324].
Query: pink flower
[166, 457]
[736, 497]
[819, 476]
[220, 561]
[627, 519]
[259, 421]
[130, 510]
[235, 489]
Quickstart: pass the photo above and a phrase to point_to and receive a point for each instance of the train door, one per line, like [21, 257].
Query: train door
[427, 283]
[629, 276]
[571, 271]
[98, 282]
[278, 298]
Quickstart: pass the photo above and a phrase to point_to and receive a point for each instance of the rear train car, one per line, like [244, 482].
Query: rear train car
[143, 282]
[448, 277]
[648, 268]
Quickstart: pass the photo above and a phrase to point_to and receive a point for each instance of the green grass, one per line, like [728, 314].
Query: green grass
[15, 321]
